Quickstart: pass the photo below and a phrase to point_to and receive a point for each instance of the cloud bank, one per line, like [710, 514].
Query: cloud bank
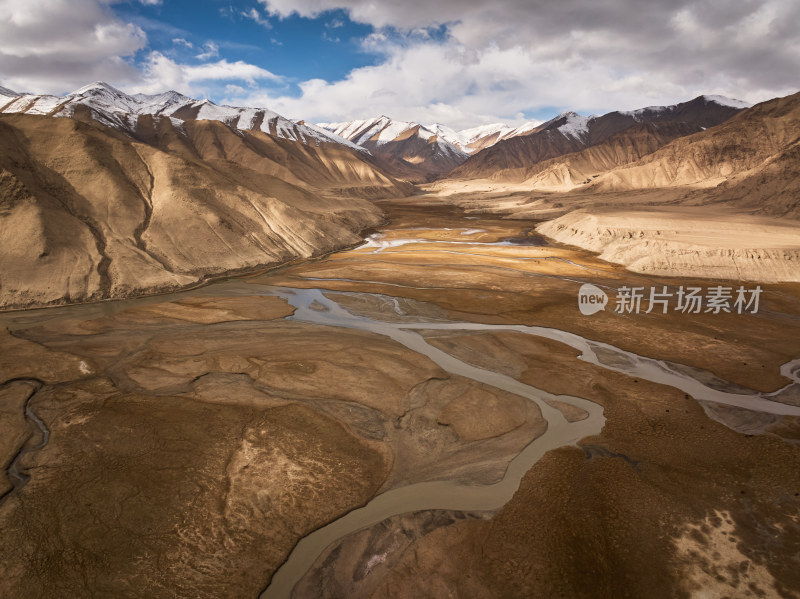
[459, 62]
[506, 57]
[57, 46]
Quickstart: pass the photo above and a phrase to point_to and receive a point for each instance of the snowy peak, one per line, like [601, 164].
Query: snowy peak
[116, 109]
[450, 135]
[99, 88]
[701, 103]
[476, 138]
[473, 134]
[379, 132]
[725, 101]
[405, 149]
[523, 129]
[570, 132]
[382, 130]
[158, 103]
[570, 124]
[104, 96]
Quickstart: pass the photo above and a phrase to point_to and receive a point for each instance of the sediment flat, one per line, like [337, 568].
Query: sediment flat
[686, 241]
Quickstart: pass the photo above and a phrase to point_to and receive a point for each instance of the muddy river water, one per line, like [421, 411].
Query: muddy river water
[453, 496]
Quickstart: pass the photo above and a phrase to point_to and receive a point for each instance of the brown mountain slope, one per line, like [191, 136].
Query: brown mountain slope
[505, 159]
[333, 167]
[578, 168]
[739, 148]
[415, 158]
[87, 213]
[726, 186]
[516, 159]
[772, 188]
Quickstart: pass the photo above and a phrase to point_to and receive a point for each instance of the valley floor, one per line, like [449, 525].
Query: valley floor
[442, 377]
[664, 232]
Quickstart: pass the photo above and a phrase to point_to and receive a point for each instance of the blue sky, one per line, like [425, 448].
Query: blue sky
[294, 47]
[457, 62]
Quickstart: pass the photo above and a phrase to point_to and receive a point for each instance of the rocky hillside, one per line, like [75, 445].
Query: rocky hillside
[89, 212]
[109, 106]
[723, 184]
[580, 168]
[749, 161]
[685, 241]
[630, 135]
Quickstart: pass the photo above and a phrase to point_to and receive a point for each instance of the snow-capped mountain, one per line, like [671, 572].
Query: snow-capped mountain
[403, 148]
[570, 132]
[475, 139]
[449, 135]
[470, 140]
[116, 109]
[383, 130]
[650, 111]
[569, 124]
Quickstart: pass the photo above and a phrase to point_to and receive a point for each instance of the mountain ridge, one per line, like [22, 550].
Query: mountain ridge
[404, 149]
[121, 111]
[516, 159]
[748, 160]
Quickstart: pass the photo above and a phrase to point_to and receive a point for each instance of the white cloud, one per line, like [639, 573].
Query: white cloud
[179, 41]
[256, 16]
[509, 56]
[432, 82]
[211, 50]
[59, 45]
[460, 62]
[233, 90]
[161, 73]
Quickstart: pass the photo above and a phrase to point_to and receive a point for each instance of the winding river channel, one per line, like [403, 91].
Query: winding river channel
[313, 305]
[16, 475]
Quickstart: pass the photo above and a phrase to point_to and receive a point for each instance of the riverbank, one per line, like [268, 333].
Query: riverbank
[660, 232]
[686, 241]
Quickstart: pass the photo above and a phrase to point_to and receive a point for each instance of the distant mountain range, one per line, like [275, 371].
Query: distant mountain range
[520, 157]
[751, 161]
[421, 152]
[474, 139]
[407, 150]
[113, 108]
[410, 150]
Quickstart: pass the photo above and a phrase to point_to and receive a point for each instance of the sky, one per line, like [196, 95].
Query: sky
[461, 63]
